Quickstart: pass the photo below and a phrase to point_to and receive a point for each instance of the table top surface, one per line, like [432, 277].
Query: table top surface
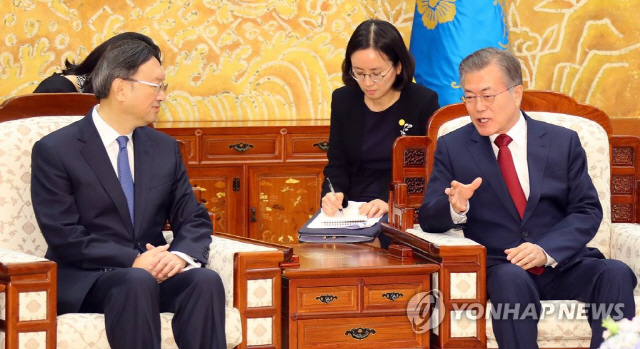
[336, 260]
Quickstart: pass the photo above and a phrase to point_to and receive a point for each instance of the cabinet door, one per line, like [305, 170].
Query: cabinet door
[220, 194]
[282, 199]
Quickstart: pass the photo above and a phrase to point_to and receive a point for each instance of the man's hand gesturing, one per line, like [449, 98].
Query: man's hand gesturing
[459, 194]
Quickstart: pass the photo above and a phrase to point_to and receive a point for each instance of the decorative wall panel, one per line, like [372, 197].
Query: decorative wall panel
[225, 60]
[280, 59]
[588, 49]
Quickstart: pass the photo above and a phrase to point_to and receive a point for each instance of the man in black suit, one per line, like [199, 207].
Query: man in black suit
[534, 213]
[105, 232]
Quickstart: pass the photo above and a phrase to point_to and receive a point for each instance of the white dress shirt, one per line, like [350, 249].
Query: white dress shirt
[518, 148]
[109, 138]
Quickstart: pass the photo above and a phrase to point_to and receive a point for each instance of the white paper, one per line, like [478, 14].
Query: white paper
[348, 219]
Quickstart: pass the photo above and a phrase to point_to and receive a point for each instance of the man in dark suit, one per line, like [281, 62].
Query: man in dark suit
[105, 232]
[520, 187]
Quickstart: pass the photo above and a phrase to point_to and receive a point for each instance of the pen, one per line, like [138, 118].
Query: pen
[332, 191]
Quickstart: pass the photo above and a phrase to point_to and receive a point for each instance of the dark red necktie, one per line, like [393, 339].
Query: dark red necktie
[508, 169]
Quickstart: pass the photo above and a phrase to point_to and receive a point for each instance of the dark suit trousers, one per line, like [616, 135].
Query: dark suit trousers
[132, 301]
[605, 285]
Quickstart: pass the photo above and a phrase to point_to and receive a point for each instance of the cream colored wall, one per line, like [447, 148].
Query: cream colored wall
[280, 59]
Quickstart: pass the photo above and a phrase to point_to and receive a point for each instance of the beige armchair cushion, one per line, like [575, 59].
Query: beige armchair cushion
[86, 331]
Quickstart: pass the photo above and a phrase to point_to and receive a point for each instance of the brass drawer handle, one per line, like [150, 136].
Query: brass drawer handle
[392, 296]
[327, 298]
[360, 333]
[324, 145]
[241, 147]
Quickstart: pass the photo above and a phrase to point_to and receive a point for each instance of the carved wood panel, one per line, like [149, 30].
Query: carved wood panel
[623, 156]
[622, 185]
[415, 157]
[622, 213]
[415, 185]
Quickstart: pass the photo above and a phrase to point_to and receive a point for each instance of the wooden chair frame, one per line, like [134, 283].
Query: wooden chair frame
[49, 104]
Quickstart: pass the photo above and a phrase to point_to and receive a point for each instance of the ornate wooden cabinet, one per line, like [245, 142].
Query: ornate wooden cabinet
[261, 180]
[353, 296]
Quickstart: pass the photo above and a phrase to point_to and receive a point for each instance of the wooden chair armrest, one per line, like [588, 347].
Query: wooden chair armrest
[257, 283]
[31, 281]
[408, 179]
[402, 215]
[465, 261]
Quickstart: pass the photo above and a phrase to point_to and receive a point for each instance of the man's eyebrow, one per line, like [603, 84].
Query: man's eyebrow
[483, 90]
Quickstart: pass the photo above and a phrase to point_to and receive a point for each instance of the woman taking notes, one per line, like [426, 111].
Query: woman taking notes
[378, 104]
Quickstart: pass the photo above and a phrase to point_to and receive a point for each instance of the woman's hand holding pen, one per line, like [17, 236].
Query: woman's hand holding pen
[331, 203]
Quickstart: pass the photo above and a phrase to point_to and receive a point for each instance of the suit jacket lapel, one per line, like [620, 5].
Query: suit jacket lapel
[486, 160]
[96, 156]
[143, 161]
[537, 155]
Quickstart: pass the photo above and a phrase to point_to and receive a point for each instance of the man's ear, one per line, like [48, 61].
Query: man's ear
[119, 89]
[518, 91]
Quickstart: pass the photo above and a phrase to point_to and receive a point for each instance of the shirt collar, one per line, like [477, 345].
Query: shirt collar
[107, 134]
[518, 132]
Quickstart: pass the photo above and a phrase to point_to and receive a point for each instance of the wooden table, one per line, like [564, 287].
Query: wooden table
[344, 295]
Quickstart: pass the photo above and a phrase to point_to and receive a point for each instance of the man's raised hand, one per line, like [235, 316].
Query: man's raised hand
[459, 194]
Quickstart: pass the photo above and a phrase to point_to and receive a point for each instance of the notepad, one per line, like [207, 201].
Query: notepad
[348, 219]
[342, 223]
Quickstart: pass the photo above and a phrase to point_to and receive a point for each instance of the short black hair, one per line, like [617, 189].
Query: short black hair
[121, 60]
[383, 37]
[87, 66]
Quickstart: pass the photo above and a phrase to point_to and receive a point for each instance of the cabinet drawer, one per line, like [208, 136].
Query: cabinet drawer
[327, 299]
[307, 146]
[241, 148]
[390, 296]
[363, 332]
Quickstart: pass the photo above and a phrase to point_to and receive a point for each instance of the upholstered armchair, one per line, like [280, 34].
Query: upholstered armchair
[613, 166]
[249, 269]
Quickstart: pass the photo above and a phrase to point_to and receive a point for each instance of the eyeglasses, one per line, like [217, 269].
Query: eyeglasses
[375, 77]
[486, 99]
[157, 87]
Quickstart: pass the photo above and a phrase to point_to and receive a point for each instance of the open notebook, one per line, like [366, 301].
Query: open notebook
[348, 219]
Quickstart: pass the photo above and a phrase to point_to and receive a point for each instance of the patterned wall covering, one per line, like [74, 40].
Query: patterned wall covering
[588, 49]
[280, 59]
[224, 59]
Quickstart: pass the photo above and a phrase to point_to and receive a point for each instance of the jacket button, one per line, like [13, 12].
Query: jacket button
[525, 234]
